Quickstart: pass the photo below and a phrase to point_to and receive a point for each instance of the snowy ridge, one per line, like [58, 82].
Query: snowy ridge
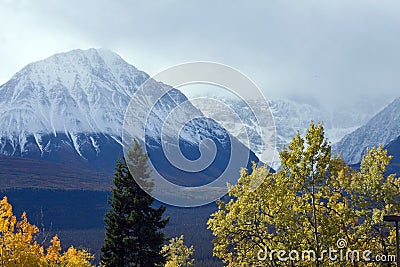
[383, 128]
[289, 116]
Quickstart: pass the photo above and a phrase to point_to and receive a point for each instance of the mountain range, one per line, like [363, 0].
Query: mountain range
[350, 132]
[70, 107]
[289, 116]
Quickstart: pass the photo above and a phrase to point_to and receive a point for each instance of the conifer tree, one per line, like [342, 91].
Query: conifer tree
[134, 234]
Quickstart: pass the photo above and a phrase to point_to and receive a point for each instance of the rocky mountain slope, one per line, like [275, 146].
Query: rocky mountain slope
[383, 128]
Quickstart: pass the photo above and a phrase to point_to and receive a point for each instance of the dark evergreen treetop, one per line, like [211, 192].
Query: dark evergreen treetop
[134, 234]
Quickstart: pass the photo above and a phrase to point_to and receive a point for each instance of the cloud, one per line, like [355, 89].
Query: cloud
[328, 52]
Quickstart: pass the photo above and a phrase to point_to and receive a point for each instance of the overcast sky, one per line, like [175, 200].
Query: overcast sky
[332, 53]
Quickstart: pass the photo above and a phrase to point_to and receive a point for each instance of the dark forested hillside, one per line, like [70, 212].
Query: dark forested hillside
[394, 150]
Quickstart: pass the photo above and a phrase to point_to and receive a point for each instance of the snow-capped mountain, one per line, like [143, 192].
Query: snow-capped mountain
[75, 92]
[289, 117]
[383, 128]
[71, 107]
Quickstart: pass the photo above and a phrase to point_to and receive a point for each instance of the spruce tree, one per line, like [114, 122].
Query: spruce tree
[134, 234]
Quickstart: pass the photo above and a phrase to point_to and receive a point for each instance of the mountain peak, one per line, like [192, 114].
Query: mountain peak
[67, 67]
[93, 54]
[78, 91]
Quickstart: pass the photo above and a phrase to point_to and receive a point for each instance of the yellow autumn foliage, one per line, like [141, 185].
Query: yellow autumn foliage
[18, 246]
[314, 202]
[178, 254]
